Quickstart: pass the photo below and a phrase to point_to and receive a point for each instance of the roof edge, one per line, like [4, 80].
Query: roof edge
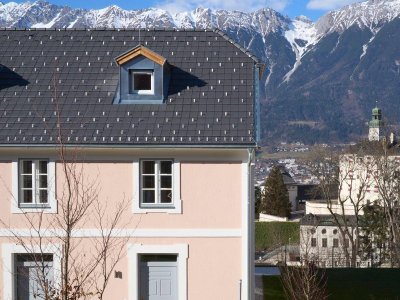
[245, 51]
[122, 146]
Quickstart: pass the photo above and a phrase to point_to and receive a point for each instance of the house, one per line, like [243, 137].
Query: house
[322, 242]
[164, 120]
[366, 179]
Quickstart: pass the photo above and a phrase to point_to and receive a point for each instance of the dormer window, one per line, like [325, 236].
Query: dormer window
[144, 77]
[141, 82]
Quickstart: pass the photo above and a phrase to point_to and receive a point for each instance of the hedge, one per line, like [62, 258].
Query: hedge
[272, 234]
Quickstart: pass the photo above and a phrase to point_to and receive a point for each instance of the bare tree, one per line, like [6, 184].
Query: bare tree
[305, 280]
[85, 269]
[351, 176]
[87, 263]
[387, 181]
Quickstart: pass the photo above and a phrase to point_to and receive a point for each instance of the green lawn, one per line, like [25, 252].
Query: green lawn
[273, 288]
[271, 234]
[349, 284]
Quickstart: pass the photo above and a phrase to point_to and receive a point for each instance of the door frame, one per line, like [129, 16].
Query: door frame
[134, 250]
[28, 264]
[8, 250]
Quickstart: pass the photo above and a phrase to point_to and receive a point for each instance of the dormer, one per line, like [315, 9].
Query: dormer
[143, 77]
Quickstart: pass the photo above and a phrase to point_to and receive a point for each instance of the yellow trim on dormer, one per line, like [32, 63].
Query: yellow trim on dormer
[140, 50]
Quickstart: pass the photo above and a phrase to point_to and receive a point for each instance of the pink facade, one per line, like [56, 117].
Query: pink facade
[158, 129]
[213, 194]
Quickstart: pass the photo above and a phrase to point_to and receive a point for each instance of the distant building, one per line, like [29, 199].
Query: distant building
[375, 125]
[291, 186]
[321, 241]
[358, 188]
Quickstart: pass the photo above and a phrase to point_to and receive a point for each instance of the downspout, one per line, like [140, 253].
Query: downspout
[250, 231]
[247, 291]
[246, 284]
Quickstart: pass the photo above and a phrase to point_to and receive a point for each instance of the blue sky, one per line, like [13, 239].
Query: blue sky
[310, 8]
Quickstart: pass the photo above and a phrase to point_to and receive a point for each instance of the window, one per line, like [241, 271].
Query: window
[156, 183]
[346, 243]
[335, 243]
[33, 183]
[334, 231]
[33, 272]
[324, 231]
[141, 82]
[157, 186]
[313, 242]
[324, 242]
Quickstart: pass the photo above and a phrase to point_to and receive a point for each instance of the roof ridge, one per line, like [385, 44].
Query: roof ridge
[108, 29]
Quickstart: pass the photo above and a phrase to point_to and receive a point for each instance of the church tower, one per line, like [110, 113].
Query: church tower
[375, 125]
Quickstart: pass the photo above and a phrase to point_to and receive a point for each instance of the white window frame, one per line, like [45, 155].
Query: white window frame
[157, 183]
[50, 206]
[132, 73]
[175, 207]
[35, 183]
[134, 250]
[9, 250]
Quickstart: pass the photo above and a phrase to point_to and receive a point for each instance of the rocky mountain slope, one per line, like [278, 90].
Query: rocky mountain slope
[322, 78]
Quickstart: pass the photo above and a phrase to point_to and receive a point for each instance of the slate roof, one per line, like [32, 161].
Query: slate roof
[69, 77]
[326, 220]
[287, 178]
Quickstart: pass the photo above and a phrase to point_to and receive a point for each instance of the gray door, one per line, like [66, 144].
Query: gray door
[31, 277]
[158, 280]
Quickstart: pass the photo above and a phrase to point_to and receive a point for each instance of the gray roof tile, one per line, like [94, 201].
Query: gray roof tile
[76, 70]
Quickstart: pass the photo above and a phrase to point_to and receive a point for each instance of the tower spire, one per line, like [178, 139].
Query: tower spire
[376, 124]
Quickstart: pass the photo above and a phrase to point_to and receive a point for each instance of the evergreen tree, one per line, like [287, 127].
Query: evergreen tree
[275, 199]
[257, 203]
[375, 233]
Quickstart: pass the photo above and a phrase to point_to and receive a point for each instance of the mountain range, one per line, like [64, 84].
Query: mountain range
[322, 78]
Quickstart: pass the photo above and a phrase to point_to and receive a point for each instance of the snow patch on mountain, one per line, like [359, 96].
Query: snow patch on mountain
[365, 46]
[49, 24]
[302, 35]
[368, 14]
[184, 20]
[12, 11]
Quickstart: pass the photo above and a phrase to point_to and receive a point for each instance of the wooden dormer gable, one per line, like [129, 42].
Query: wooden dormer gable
[137, 51]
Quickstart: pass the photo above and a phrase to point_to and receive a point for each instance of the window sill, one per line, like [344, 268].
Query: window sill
[174, 208]
[141, 101]
[26, 205]
[160, 206]
[142, 92]
[34, 208]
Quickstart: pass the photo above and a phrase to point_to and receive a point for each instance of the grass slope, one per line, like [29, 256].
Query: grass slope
[271, 234]
[348, 284]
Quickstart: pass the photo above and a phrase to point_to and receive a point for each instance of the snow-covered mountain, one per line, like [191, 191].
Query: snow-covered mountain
[306, 61]
[370, 14]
